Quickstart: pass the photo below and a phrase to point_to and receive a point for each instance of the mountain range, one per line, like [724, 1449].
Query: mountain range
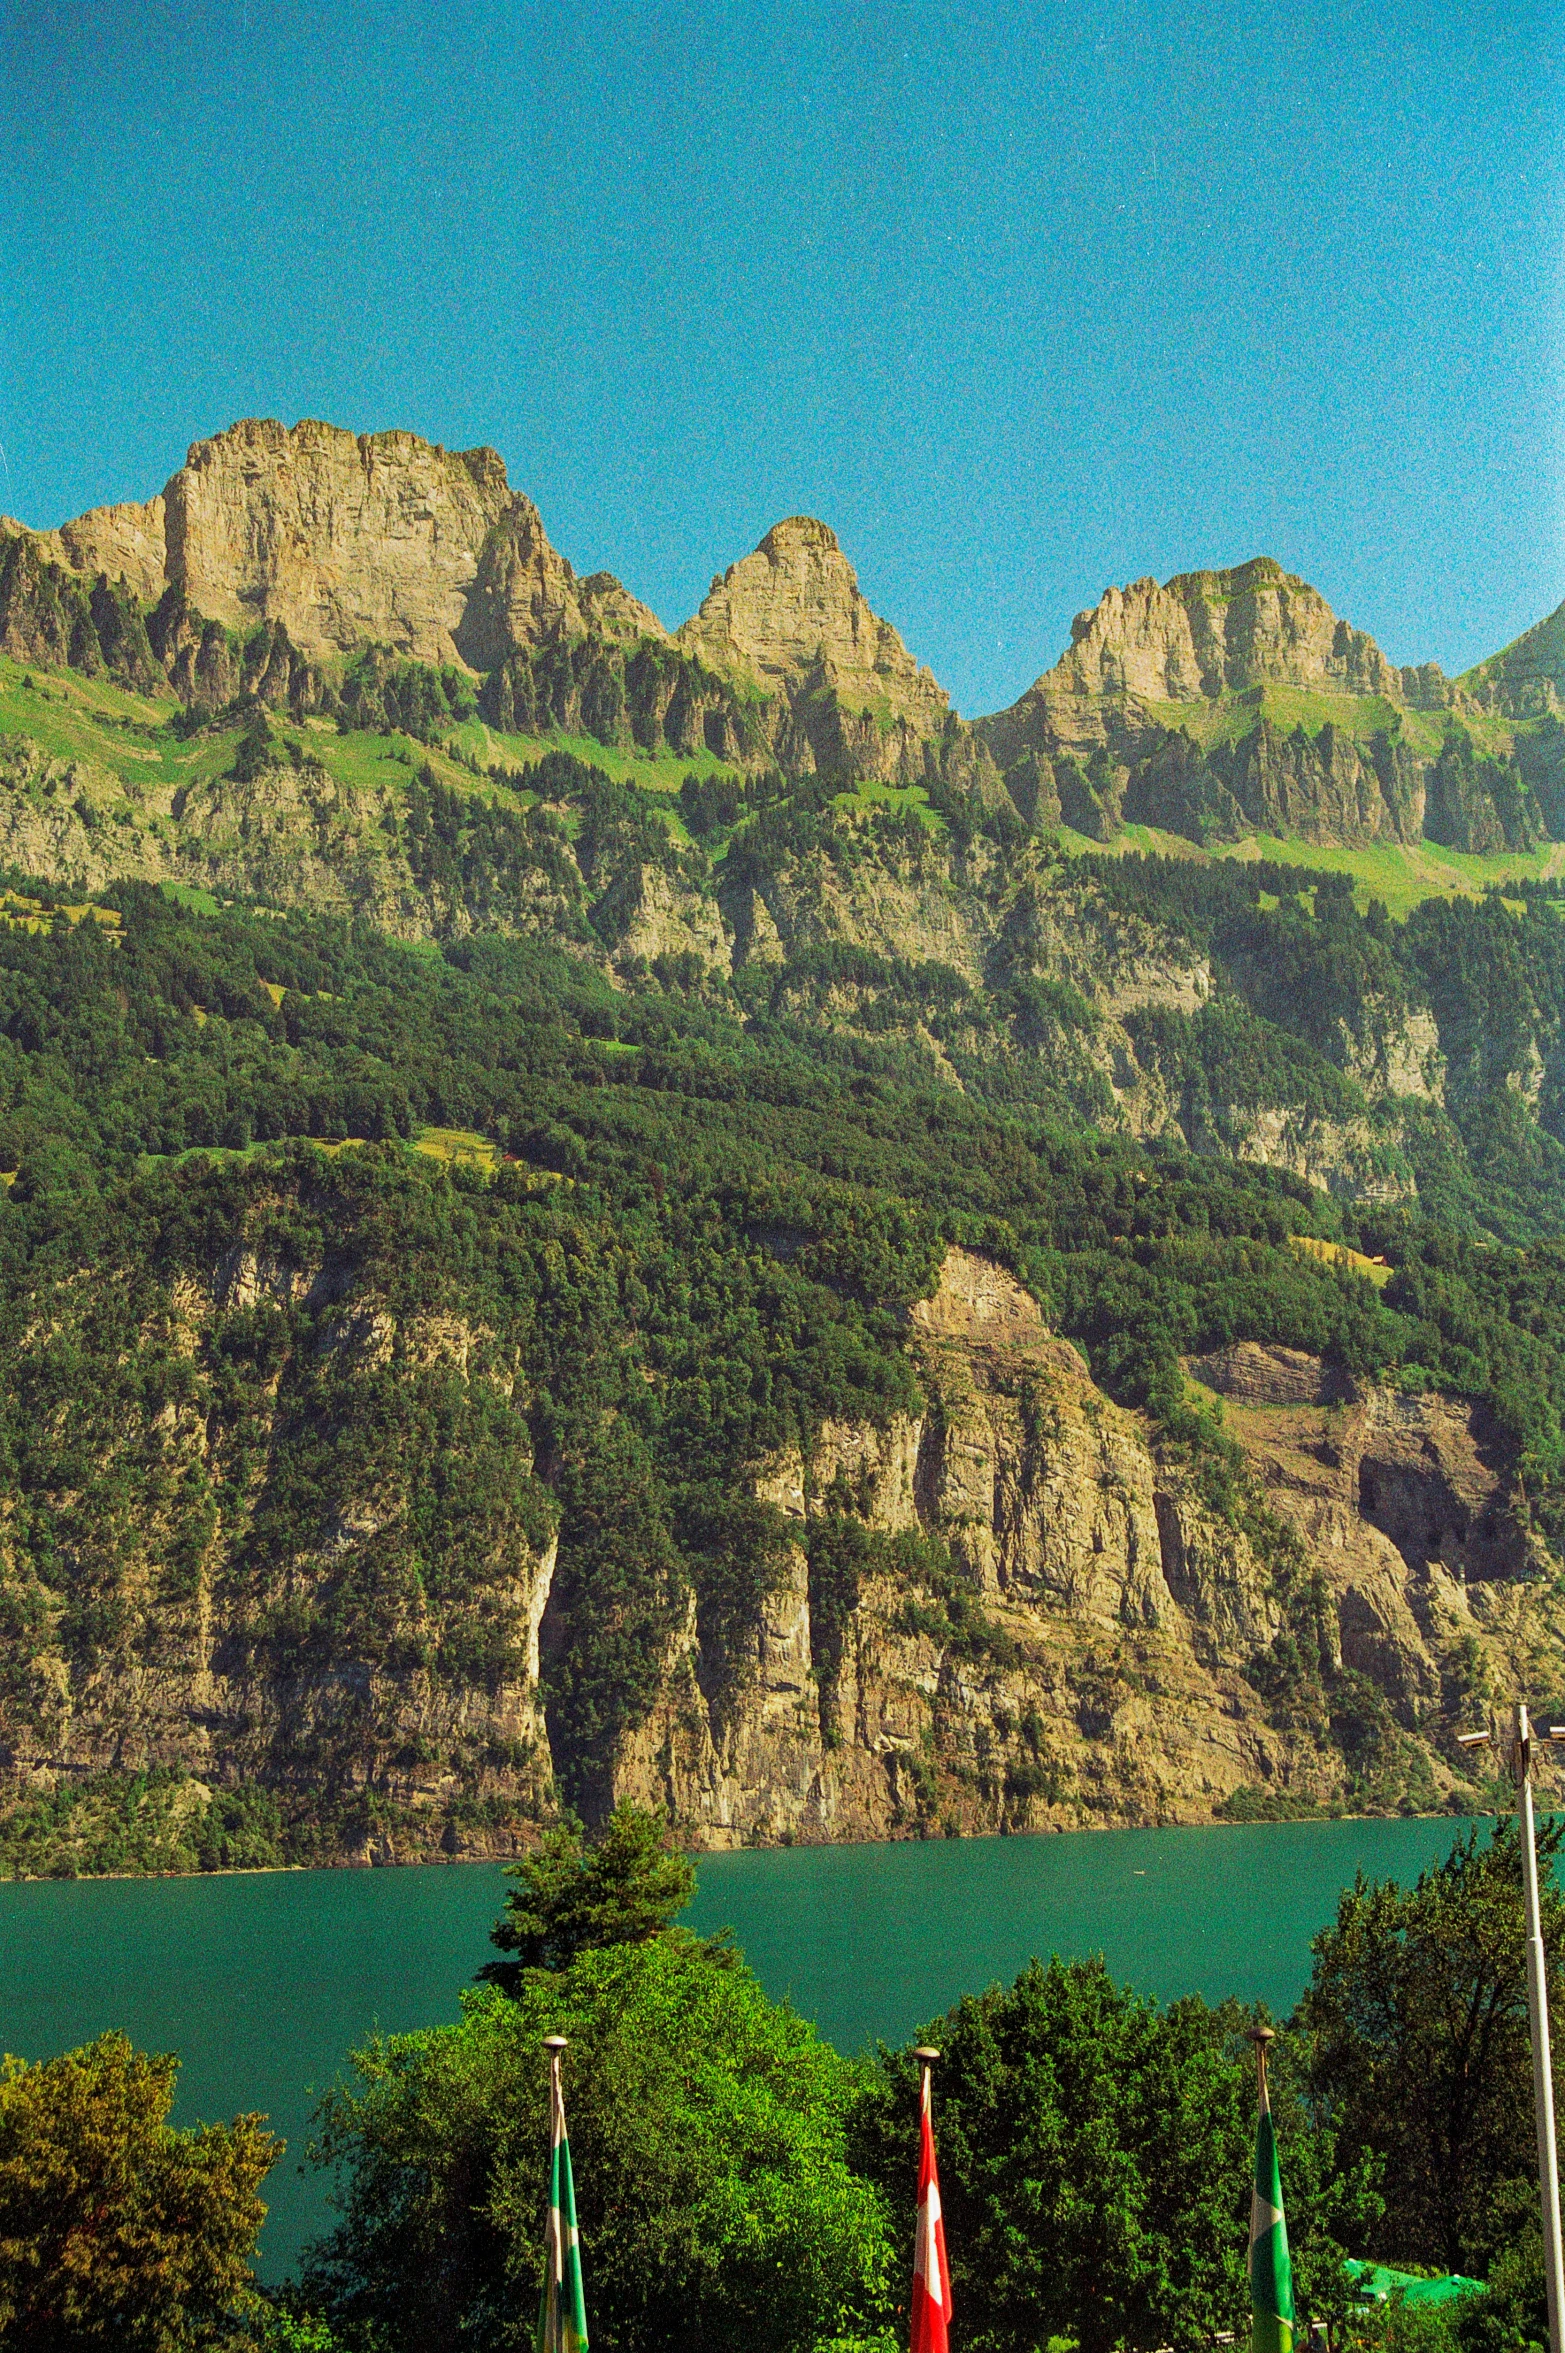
[1218, 704]
[590, 1210]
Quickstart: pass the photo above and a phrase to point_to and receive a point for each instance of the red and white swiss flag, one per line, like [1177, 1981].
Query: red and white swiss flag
[931, 2280]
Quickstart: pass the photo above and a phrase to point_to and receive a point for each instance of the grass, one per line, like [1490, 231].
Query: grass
[1338, 1254]
[127, 739]
[449, 1144]
[901, 799]
[659, 772]
[22, 913]
[462, 1144]
[1232, 716]
[1399, 874]
[1402, 874]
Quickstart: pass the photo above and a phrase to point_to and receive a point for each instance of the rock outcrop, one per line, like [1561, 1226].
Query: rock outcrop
[1103, 1666]
[1178, 705]
[1206, 634]
[1526, 679]
[848, 698]
[1404, 1506]
[346, 539]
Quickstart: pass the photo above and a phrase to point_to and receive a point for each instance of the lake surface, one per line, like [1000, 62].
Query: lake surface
[263, 1982]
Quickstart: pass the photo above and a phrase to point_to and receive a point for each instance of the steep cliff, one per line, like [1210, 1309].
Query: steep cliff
[1220, 703]
[1226, 703]
[702, 1350]
[850, 699]
[344, 539]
[1526, 679]
[1212, 633]
[1048, 1628]
[1003, 1611]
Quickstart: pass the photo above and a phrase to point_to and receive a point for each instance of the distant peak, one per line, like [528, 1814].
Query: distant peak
[1237, 580]
[800, 532]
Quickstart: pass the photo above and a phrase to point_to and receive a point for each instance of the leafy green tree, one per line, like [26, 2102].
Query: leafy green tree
[1416, 2013]
[716, 2206]
[116, 2229]
[1095, 2164]
[626, 1887]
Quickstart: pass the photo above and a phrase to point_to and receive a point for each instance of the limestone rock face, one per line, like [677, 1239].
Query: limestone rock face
[1114, 1671]
[1526, 679]
[794, 607]
[126, 542]
[344, 538]
[1104, 1683]
[848, 695]
[1211, 633]
[1403, 1505]
[1116, 730]
[525, 594]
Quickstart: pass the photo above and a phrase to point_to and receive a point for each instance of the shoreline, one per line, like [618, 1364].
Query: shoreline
[699, 1854]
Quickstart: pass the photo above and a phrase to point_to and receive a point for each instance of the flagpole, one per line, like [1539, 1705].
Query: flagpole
[1523, 1733]
[1269, 2265]
[929, 2314]
[562, 2311]
[1262, 2037]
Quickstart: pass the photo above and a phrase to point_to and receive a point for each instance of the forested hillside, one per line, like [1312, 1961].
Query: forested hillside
[645, 1216]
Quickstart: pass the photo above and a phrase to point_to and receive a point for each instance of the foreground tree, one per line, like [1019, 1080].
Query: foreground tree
[627, 1886]
[1096, 2155]
[115, 2229]
[717, 2208]
[1416, 2015]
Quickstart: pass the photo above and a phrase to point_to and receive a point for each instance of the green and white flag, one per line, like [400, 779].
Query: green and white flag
[562, 2310]
[1271, 2271]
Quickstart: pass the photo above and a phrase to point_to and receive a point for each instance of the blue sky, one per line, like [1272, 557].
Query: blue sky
[1022, 300]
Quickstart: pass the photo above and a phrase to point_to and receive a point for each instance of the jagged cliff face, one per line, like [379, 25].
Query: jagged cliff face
[338, 540]
[1526, 679]
[1112, 1672]
[1043, 1626]
[1206, 634]
[1158, 713]
[1405, 1505]
[792, 616]
[346, 539]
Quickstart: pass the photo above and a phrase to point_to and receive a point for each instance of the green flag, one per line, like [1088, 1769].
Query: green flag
[1271, 2272]
[562, 2310]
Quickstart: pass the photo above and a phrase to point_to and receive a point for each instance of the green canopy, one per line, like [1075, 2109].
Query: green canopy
[1377, 2285]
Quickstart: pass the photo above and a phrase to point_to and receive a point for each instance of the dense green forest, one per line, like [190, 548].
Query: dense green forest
[701, 1219]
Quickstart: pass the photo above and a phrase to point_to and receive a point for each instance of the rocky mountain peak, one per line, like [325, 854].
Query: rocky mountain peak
[1526, 679]
[792, 614]
[345, 538]
[1203, 634]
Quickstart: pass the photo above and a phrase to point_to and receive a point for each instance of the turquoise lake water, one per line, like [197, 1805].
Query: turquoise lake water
[263, 1982]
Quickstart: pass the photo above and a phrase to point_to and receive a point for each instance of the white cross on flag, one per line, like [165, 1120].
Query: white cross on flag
[931, 2314]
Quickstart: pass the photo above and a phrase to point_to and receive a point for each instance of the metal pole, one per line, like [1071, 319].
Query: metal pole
[1538, 2018]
